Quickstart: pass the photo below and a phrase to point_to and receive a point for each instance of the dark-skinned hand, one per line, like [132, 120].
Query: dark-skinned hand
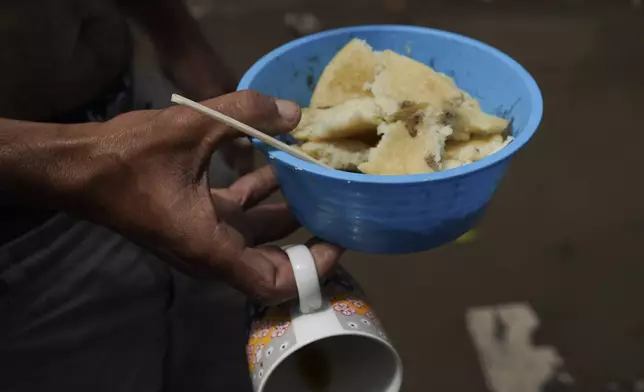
[149, 181]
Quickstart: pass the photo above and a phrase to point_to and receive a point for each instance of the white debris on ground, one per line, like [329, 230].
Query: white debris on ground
[303, 23]
[510, 362]
[638, 386]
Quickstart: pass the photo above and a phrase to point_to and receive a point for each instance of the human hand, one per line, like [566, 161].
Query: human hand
[200, 73]
[148, 180]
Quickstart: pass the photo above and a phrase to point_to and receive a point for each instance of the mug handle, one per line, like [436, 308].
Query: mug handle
[306, 278]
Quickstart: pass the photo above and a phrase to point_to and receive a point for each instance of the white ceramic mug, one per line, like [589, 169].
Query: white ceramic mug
[328, 340]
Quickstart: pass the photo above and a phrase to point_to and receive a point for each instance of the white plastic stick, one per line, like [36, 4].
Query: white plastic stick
[246, 129]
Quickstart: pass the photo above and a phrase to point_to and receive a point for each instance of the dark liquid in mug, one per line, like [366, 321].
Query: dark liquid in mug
[314, 368]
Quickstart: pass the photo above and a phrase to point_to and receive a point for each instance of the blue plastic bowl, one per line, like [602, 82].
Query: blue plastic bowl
[397, 214]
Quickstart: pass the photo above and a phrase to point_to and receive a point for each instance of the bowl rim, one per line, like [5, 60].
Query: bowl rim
[528, 131]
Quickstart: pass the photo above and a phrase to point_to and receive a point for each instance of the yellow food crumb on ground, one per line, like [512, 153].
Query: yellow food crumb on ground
[468, 237]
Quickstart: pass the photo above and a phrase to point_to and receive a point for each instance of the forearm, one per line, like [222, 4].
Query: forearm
[44, 164]
[168, 23]
[185, 56]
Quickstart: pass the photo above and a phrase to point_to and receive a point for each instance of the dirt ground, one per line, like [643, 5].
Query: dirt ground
[564, 235]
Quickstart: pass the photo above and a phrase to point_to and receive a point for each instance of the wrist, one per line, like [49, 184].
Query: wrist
[46, 164]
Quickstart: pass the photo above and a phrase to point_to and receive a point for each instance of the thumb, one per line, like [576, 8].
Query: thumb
[268, 114]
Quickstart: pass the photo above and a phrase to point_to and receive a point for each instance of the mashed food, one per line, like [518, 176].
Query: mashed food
[384, 113]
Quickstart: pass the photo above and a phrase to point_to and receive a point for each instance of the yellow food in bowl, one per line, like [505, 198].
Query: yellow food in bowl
[385, 113]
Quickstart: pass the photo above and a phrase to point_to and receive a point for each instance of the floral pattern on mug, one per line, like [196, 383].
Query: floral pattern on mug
[250, 353]
[260, 329]
[372, 317]
[343, 308]
[272, 336]
[280, 329]
[271, 325]
[259, 350]
[347, 301]
[357, 303]
[348, 305]
[356, 314]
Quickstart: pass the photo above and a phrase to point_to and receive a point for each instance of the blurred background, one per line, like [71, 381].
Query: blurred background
[548, 293]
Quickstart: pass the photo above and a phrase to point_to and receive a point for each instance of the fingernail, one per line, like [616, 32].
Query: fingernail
[288, 110]
[242, 142]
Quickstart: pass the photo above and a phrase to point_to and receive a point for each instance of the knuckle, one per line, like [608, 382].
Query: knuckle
[180, 118]
[255, 106]
[251, 99]
[267, 293]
